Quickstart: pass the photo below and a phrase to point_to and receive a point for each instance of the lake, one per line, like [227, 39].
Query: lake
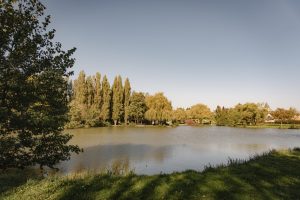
[153, 150]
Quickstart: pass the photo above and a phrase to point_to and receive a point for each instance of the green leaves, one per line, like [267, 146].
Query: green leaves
[33, 97]
[159, 108]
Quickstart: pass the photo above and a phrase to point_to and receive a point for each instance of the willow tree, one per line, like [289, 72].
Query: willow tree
[127, 93]
[33, 83]
[117, 100]
[159, 108]
[200, 113]
[179, 115]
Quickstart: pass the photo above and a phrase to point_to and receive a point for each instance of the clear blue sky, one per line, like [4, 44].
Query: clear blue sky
[213, 52]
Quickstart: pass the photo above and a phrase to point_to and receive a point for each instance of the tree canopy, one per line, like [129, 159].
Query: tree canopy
[34, 73]
[159, 108]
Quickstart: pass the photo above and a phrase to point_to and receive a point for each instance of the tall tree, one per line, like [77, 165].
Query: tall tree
[159, 108]
[106, 95]
[179, 115]
[117, 100]
[284, 115]
[127, 93]
[137, 107]
[201, 113]
[98, 91]
[33, 97]
[80, 89]
[78, 106]
[90, 91]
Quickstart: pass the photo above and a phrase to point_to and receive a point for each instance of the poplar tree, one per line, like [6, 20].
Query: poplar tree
[78, 106]
[80, 89]
[127, 93]
[106, 95]
[98, 92]
[92, 117]
[117, 100]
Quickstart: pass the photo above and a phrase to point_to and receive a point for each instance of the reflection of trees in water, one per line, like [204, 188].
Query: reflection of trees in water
[116, 157]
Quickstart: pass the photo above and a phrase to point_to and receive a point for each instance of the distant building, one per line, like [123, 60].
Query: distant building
[296, 118]
[269, 119]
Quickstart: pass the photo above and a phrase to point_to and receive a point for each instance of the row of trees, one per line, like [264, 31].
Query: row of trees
[242, 114]
[94, 102]
[252, 114]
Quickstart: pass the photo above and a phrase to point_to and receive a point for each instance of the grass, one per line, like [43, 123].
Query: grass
[274, 175]
[283, 126]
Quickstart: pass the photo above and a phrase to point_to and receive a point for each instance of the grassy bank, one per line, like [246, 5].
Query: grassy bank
[275, 175]
[283, 126]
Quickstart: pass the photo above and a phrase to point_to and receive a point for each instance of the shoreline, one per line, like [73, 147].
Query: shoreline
[272, 175]
[263, 126]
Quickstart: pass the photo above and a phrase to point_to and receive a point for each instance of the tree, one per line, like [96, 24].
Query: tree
[117, 100]
[106, 95]
[98, 92]
[90, 92]
[137, 107]
[179, 115]
[251, 113]
[127, 93]
[33, 84]
[284, 115]
[159, 108]
[201, 113]
[79, 105]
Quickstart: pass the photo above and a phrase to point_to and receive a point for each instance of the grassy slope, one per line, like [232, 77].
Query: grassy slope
[275, 175]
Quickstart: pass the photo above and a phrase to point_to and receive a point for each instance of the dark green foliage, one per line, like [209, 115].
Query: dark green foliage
[33, 88]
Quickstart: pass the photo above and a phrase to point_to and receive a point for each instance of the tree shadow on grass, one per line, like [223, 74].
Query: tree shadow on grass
[13, 178]
[272, 176]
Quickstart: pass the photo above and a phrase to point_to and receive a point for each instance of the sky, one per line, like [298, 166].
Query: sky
[214, 52]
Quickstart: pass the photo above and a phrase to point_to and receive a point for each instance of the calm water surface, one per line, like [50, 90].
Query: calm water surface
[155, 150]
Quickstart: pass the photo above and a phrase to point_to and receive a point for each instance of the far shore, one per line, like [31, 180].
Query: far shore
[260, 126]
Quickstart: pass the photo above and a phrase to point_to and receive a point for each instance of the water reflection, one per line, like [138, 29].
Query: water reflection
[102, 156]
[155, 150]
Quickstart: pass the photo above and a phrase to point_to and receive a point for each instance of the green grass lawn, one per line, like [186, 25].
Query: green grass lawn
[275, 175]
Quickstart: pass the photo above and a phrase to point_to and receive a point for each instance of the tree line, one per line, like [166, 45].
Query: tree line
[93, 101]
[253, 114]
